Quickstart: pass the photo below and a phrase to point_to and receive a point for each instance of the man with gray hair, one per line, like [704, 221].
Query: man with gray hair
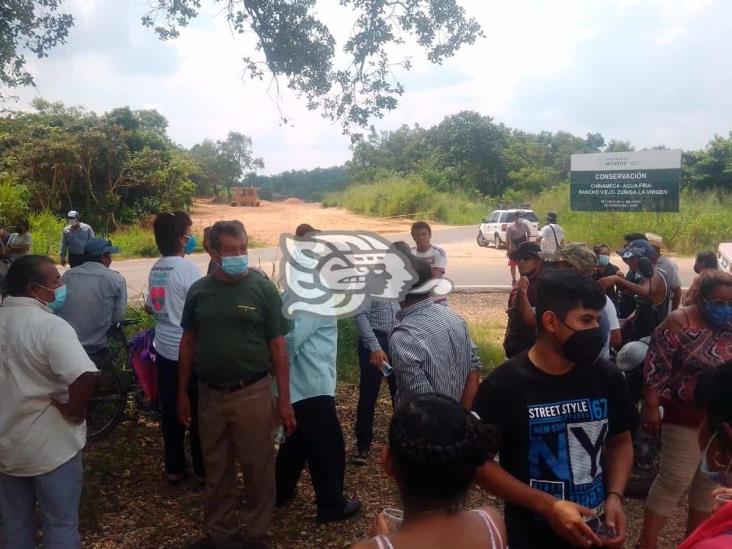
[234, 330]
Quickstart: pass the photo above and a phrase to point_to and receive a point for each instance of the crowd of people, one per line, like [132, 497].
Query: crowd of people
[253, 388]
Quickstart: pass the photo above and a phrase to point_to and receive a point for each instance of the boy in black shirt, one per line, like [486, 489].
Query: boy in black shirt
[565, 420]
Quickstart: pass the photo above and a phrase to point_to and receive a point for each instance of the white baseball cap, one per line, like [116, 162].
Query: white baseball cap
[73, 214]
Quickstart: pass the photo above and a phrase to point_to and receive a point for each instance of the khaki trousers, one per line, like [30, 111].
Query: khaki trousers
[679, 471]
[233, 426]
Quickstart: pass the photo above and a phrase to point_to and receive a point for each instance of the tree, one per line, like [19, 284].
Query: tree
[297, 45]
[616, 146]
[711, 167]
[472, 145]
[32, 25]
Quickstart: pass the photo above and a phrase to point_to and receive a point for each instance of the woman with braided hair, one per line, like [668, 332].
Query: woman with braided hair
[435, 448]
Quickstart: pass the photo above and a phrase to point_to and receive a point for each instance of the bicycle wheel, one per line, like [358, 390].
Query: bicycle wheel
[107, 406]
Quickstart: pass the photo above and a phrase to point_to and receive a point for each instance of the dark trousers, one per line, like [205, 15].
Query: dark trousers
[173, 431]
[368, 391]
[318, 440]
[76, 259]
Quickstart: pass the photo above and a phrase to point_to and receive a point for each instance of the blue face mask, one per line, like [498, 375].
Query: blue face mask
[719, 315]
[59, 298]
[190, 244]
[723, 478]
[603, 260]
[235, 265]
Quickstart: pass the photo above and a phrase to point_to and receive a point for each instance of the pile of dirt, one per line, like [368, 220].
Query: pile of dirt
[293, 200]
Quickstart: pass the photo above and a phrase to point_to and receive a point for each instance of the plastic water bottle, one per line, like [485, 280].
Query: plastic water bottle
[386, 369]
[279, 434]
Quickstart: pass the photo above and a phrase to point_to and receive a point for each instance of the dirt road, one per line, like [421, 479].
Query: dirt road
[265, 223]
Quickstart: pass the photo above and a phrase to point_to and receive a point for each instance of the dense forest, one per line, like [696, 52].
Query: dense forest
[121, 166]
[117, 168]
[470, 153]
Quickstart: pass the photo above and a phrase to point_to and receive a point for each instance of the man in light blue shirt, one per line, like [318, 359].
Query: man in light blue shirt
[96, 297]
[318, 440]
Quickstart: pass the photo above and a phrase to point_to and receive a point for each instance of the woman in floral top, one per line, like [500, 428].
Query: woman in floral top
[691, 341]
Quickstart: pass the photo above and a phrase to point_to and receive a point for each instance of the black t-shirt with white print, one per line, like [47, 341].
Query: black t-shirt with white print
[553, 429]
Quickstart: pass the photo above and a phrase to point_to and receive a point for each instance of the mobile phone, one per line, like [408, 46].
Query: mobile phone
[601, 529]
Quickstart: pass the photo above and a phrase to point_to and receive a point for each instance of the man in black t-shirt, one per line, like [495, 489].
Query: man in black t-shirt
[565, 420]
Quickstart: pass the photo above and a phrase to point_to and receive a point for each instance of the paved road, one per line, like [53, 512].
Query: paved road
[468, 264]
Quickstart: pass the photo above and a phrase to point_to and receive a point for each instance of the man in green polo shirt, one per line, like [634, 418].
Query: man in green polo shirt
[234, 331]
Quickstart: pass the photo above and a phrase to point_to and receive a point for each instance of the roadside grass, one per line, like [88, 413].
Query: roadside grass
[410, 196]
[703, 221]
[133, 241]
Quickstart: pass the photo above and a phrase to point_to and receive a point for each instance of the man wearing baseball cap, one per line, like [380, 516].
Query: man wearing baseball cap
[653, 292]
[73, 239]
[669, 268]
[521, 327]
[96, 297]
[579, 257]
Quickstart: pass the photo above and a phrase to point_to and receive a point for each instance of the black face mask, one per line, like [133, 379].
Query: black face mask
[583, 346]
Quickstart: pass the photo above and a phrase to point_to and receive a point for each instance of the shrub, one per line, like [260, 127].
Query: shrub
[410, 196]
[13, 200]
[46, 229]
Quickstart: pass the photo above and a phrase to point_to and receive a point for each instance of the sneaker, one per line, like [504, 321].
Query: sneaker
[360, 457]
[350, 509]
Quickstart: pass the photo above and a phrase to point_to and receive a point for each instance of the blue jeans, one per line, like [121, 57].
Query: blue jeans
[368, 391]
[57, 493]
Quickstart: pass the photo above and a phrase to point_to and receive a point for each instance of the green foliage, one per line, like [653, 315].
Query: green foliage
[411, 196]
[116, 169]
[28, 25]
[13, 200]
[298, 46]
[46, 229]
[223, 163]
[485, 335]
[310, 185]
[134, 241]
[347, 361]
[711, 167]
[702, 222]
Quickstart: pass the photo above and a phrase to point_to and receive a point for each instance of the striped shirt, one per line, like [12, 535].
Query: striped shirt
[380, 317]
[431, 351]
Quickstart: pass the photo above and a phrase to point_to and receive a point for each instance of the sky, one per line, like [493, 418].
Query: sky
[649, 71]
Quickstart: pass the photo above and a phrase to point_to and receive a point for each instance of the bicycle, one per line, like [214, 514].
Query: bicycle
[107, 406]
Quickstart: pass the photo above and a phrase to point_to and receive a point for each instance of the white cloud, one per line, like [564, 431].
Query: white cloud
[573, 64]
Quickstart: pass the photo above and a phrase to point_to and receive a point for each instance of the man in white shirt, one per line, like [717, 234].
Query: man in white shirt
[46, 380]
[551, 235]
[433, 255]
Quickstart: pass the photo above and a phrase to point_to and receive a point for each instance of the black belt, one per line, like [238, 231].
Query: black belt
[233, 386]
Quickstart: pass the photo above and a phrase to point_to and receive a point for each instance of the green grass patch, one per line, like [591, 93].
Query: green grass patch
[46, 229]
[703, 221]
[410, 196]
[487, 336]
[133, 241]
